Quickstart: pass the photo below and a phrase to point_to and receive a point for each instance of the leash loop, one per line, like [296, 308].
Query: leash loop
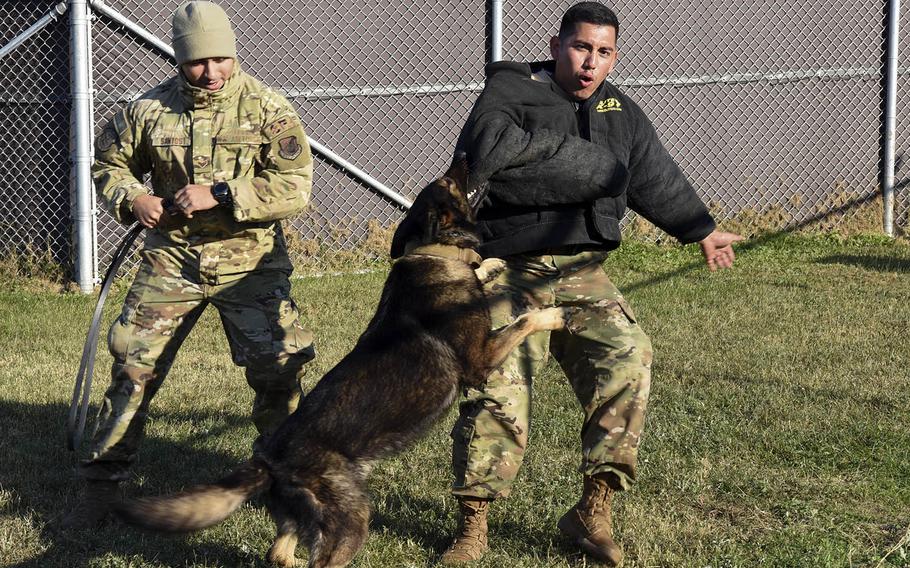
[74, 428]
[75, 424]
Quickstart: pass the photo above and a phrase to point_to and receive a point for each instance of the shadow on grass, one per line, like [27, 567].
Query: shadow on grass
[506, 532]
[880, 263]
[532, 537]
[409, 526]
[752, 243]
[38, 474]
[431, 524]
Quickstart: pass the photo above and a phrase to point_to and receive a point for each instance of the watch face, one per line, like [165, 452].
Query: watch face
[221, 191]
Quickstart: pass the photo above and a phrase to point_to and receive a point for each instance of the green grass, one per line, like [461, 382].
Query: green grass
[777, 435]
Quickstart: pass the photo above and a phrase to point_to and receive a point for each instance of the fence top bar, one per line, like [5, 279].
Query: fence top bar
[132, 26]
[733, 78]
[42, 23]
[360, 174]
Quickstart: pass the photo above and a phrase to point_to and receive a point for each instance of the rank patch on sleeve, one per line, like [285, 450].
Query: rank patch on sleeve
[280, 125]
[289, 148]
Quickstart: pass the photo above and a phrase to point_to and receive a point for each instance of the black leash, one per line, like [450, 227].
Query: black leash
[74, 429]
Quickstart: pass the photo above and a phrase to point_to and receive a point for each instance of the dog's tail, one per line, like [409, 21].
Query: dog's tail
[198, 507]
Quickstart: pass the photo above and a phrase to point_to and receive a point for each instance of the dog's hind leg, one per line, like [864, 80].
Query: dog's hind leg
[282, 550]
[337, 545]
[343, 526]
[286, 511]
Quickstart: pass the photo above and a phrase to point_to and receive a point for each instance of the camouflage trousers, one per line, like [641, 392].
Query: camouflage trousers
[606, 358]
[163, 304]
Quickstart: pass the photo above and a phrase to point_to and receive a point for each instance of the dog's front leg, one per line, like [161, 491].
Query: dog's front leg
[503, 340]
[489, 269]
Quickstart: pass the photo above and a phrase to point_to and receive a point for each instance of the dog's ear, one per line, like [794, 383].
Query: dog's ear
[408, 229]
[402, 235]
[432, 209]
[432, 227]
[419, 224]
[458, 170]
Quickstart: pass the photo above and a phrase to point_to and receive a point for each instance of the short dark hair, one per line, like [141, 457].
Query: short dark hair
[590, 13]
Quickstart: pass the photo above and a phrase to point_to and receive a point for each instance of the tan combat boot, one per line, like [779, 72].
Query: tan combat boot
[97, 503]
[471, 538]
[589, 524]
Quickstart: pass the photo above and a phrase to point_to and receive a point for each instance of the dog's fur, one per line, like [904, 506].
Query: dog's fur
[429, 338]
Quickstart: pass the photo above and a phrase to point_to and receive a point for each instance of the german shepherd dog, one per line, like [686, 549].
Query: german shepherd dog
[430, 337]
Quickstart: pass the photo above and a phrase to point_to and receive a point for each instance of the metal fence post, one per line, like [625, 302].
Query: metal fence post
[890, 116]
[495, 32]
[81, 144]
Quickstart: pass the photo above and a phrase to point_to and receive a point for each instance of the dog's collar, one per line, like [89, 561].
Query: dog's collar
[466, 255]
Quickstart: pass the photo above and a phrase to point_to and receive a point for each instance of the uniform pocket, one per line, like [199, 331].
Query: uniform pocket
[627, 309]
[605, 215]
[236, 152]
[290, 337]
[118, 338]
[170, 148]
[462, 434]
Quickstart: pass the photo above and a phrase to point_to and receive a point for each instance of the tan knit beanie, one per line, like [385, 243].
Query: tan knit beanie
[201, 30]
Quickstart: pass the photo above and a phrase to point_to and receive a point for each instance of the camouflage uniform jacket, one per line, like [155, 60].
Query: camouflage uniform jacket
[244, 134]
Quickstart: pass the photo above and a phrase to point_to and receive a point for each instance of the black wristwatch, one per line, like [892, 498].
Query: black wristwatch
[221, 191]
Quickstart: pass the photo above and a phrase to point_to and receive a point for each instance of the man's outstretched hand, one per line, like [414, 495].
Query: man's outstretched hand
[718, 249]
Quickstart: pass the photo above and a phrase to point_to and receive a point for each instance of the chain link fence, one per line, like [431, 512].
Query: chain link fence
[366, 85]
[34, 134]
[772, 109]
[902, 128]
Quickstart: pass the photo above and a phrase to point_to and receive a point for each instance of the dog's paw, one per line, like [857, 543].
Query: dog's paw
[547, 319]
[490, 269]
[552, 319]
[281, 553]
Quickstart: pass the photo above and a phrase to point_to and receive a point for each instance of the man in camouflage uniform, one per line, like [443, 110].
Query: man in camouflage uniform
[233, 157]
[563, 151]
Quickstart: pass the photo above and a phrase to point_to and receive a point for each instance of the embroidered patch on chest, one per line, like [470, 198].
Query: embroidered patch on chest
[608, 105]
[169, 138]
[238, 137]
